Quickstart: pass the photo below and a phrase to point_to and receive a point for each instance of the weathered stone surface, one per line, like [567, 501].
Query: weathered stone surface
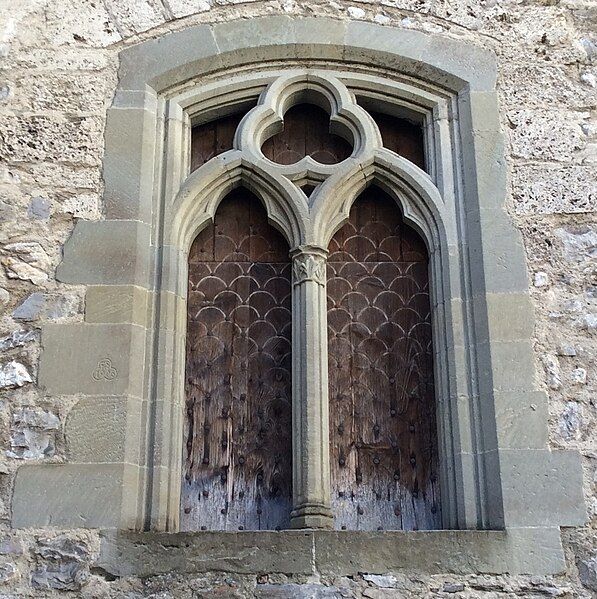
[39, 208]
[385, 582]
[48, 306]
[33, 434]
[571, 420]
[17, 338]
[553, 189]
[92, 359]
[587, 571]
[13, 374]
[10, 546]
[105, 429]
[62, 564]
[333, 553]
[75, 495]
[580, 243]
[8, 572]
[299, 591]
[116, 303]
[26, 260]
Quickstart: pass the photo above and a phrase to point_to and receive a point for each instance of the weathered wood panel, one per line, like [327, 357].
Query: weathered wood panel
[213, 138]
[402, 137]
[382, 408]
[238, 459]
[306, 133]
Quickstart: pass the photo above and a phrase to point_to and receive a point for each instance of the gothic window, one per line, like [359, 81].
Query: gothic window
[380, 434]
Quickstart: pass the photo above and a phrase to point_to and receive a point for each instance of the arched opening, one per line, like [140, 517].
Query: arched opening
[384, 446]
[237, 457]
[306, 132]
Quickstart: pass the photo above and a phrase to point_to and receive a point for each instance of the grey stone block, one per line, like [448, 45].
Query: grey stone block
[496, 254]
[506, 366]
[113, 252]
[320, 36]
[144, 554]
[128, 166]
[434, 552]
[334, 553]
[168, 60]
[106, 429]
[507, 316]
[261, 33]
[116, 304]
[542, 488]
[73, 496]
[437, 58]
[92, 359]
[521, 419]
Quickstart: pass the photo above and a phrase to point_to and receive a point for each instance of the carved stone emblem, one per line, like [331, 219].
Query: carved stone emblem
[309, 267]
[104, 371]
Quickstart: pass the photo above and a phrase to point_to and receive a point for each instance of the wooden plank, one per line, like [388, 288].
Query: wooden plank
[382, 408]
[238, 460]
[306, 133]
[402, 137]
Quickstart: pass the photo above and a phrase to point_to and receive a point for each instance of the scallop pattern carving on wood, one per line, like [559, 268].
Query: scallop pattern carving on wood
[238, 459]
[384, 459]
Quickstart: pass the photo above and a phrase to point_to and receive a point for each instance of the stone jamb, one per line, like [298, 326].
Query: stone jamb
[486, 367]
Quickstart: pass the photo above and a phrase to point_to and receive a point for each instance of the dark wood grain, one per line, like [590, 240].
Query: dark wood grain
[238, 460]
[402, 137]
[213, 138]
[306, 133]
[382, 410]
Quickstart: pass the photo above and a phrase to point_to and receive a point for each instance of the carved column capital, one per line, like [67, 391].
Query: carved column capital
[309, 264]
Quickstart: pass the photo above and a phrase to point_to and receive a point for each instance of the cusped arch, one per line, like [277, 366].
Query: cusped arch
[197, 201]
[347, 119]
[419, 199]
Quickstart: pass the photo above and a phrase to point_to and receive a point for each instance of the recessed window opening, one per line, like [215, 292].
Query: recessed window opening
[384, 444]
[238, 458]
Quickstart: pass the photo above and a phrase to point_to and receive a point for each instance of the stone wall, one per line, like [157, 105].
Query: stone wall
[59, 64]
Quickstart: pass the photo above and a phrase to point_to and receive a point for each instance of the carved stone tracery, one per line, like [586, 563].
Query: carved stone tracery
[309, 223]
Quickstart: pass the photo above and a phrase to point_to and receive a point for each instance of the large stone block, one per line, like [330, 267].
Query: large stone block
[496, 253]
[128, 165]
[434, 552]
[334, 553]
[506, 366]
[92, 359]
[75, 496]
[106, 429]
[542, 488]
[521, 419]
[116, 304]
[510, 316]
[116, 252]
[249, 552]
[168, 60]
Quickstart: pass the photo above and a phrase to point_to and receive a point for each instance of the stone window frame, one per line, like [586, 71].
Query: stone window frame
[125, 362]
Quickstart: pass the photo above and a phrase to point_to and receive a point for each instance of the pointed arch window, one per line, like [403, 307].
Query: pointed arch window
[377, 446]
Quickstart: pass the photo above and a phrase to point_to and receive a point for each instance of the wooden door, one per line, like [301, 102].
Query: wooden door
[382, 409]
[238, 460]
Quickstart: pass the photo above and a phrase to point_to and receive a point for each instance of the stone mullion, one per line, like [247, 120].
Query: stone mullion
[310, 422]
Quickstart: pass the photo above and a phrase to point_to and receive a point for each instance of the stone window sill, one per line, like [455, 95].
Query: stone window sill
[333, 553]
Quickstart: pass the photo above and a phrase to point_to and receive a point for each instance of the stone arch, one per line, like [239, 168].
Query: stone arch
[494, 424]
